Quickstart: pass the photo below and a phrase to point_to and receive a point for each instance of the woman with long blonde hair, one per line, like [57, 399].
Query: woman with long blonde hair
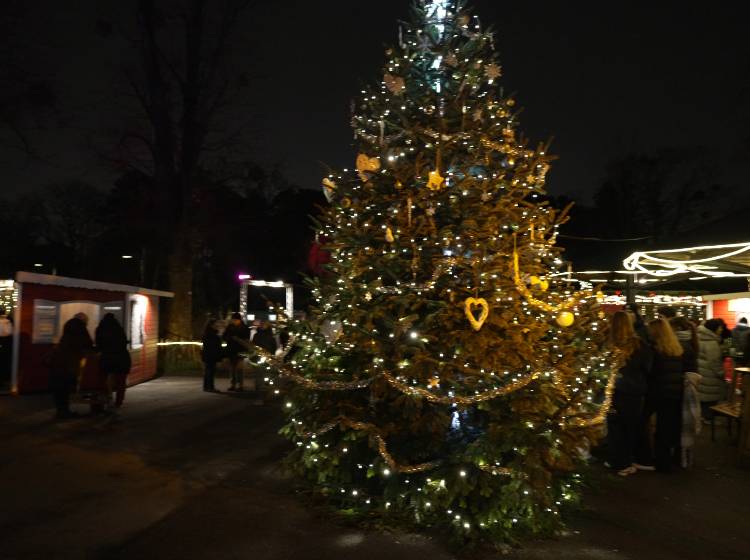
[664, 398]
[624, 417]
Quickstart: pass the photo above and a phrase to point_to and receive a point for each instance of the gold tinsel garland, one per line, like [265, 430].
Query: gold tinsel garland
[375, 434]
[377, 437]
[484, 396]
[526, 293]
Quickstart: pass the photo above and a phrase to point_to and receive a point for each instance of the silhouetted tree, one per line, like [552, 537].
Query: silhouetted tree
[185, 83]
[659, 194]
[26, 98]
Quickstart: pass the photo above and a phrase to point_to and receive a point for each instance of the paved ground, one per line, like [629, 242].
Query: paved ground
[186, 474]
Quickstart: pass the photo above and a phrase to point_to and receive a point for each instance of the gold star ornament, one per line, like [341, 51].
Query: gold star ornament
[435, 181]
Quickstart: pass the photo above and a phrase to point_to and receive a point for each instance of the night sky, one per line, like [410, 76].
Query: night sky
[603, 79]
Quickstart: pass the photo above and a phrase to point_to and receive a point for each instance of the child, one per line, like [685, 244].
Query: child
[211, 354]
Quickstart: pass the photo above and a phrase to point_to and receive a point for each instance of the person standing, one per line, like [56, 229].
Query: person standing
[691, 412]
[666, 312]
[624, 417]
[6, 346]
[711, 387]
[237, 337]
[210, 354]
[66, 362]
[666, 383]
[265, 338]
[639, 325]
[114, 362]
[740, 340]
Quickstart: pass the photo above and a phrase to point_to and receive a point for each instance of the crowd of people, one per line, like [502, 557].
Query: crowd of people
[672, 374]
[105, 382]
[230, 343]
[67, 364]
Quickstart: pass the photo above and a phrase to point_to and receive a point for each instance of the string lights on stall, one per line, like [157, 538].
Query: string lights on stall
[8, 295]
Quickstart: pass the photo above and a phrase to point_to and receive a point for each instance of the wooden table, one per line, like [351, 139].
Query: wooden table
[733, 412]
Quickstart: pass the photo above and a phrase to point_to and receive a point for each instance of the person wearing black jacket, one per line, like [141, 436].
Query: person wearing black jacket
[237, 337]
[624, 417]
[114, 362]
[666, 385]
[66, 363]
[264, 338]
[639, 325]
[210, 354]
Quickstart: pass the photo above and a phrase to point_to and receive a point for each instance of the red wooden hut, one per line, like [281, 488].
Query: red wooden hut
[730, 307]
[46, 302]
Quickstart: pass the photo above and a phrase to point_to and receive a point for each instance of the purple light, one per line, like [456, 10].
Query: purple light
[243, 277]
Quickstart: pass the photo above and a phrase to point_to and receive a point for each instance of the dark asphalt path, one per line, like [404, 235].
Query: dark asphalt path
[186, 475]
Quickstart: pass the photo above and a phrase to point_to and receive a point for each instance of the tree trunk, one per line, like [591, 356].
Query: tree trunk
[180, 263]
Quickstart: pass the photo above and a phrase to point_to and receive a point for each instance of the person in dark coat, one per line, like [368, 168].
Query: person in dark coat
[6, 346]
[210, 354]
[624, 417]
[741, 341]
[237, 336]
[264, 338]
[686, 333]
[638, 323]
[114, 362]
[666, 384]
[66, 363]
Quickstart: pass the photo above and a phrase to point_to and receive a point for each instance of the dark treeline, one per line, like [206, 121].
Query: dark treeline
[259, 226]
[668, 198]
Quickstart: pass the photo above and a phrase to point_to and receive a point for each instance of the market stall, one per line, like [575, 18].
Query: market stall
[44, 303]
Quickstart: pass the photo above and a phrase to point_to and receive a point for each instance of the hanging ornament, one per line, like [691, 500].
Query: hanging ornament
[477, 115]
[434, 382]
[492, 71]
[399, 185]
[368, 296]
[565, 319]
[395, 84]
[435, 181]
[535, 281]
[469, 304]
[328, 188]
[451, 60]
[367, 165]
[389, 235]
[346, 202]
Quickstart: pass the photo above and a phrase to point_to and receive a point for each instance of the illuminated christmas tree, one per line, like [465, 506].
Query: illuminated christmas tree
[449, 376]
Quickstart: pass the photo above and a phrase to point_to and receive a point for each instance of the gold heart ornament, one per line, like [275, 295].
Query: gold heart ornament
[469, 304]
[365, 163]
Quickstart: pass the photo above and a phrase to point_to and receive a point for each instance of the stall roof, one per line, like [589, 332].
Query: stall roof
[708, 261]
[733, 295]
[52, 280]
